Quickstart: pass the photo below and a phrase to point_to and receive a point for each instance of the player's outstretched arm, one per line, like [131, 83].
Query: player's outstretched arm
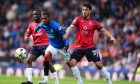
[68, 31]
[27, 34]
[38, 27]
[108, 34]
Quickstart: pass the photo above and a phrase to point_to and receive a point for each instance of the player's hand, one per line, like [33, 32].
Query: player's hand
[66, 48]
[63, 26]
[113, 40]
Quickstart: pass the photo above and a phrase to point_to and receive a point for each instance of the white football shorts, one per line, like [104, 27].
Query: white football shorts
[55, 51]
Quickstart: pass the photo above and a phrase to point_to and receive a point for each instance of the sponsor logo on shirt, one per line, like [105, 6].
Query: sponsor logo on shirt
[85, 30]
[50, 36]
[60, 28]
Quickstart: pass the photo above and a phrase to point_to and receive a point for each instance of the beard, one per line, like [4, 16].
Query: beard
[86, 16]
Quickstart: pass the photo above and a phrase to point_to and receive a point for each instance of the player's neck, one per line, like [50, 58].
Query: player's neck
[46, 23]
[37, 21]
[86, 18]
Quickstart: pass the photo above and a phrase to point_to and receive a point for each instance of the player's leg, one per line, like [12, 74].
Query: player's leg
[50, 51]
[52, 69]
[47, 66]
[76, 56]
[31, 57]
[47, 59]
[104, 72]
[93, 55]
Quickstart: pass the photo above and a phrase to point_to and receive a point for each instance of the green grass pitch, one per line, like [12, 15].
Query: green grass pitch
[70, 80]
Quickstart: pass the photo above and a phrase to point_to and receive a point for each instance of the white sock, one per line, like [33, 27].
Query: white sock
[55, 76]
[105, 75]
[29, 74]
[76, 74]
[46, 78]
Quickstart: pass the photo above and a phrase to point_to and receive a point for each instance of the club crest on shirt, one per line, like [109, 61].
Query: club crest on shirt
[60, 28]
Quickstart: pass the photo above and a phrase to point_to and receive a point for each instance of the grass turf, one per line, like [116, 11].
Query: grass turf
[68, 80]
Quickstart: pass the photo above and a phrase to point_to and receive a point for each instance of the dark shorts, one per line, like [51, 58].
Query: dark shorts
[90, 53]
[38, 50]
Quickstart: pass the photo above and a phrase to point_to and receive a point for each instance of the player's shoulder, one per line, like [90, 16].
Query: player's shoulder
[95, 21]
[54, 23]
[32, 23]
[78, 17]
[41, 23]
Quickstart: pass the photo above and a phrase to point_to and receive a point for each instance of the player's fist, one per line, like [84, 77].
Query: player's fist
[113, 40]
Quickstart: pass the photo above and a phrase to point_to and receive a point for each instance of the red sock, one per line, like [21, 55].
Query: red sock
[48, 57]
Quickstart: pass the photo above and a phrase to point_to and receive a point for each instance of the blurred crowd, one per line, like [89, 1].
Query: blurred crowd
[120, 17]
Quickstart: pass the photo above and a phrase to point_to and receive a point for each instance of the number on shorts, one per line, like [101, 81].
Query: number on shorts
[95, 52]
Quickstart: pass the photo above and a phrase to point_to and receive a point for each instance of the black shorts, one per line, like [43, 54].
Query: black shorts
[90, 53]
[38, 50]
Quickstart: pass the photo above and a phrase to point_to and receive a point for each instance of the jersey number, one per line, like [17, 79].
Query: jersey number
[95, 52]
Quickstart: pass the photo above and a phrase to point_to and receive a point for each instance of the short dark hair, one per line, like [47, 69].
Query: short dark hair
[38, 11]
[88, 5]
[45, 12]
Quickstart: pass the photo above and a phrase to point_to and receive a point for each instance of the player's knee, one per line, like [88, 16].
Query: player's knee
[29, 62]
[48, 57]
[73, 63]
[68, 63]
[30, 59]
[99, 65]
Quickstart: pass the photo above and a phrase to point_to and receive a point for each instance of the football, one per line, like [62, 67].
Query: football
[20, 53]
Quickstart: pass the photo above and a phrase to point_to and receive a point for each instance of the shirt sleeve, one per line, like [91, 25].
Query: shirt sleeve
[75, 21]
[59, 29]
[38, 27]
[67, 41]
[98, 25]
[28, 32]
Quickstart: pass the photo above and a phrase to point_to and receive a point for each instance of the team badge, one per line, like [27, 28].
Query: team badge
[60, 28]
[51, 30]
